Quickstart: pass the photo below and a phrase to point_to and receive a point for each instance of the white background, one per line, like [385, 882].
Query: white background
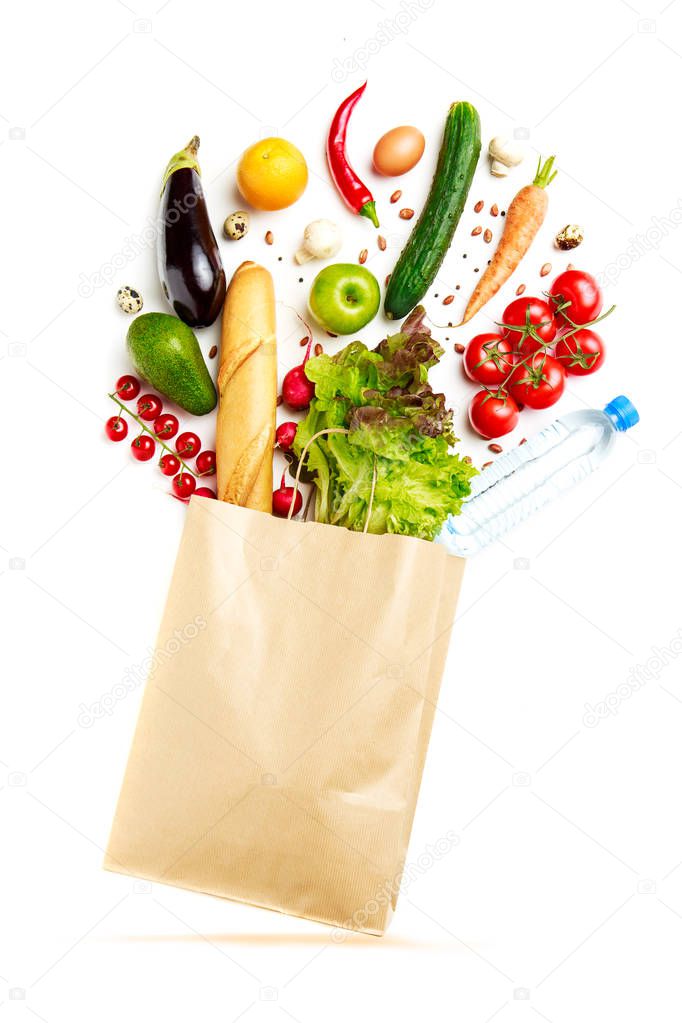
[562, 898]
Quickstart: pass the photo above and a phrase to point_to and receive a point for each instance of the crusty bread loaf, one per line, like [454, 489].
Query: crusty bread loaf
[247, 389]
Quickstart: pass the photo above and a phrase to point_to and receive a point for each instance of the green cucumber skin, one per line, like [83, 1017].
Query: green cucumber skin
[420, 260]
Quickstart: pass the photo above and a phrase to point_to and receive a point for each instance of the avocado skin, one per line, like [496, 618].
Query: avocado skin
[165, 352]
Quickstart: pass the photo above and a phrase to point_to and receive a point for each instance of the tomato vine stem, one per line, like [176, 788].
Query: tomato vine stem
[145, 429]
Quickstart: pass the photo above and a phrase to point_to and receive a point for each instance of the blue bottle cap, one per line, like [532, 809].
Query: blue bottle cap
[622, 413]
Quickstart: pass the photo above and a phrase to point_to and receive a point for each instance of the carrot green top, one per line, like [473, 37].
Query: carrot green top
[544, 175]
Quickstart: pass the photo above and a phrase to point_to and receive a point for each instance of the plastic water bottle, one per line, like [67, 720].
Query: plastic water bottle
[533, 474]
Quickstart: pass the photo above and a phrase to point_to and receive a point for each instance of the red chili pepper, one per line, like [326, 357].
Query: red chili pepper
[355, 194]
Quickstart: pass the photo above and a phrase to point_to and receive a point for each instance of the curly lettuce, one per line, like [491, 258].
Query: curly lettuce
[394, 459]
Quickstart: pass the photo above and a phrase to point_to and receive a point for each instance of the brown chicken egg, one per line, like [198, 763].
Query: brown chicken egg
[398, 151]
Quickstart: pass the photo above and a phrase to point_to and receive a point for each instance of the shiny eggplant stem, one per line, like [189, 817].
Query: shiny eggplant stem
[187, 157]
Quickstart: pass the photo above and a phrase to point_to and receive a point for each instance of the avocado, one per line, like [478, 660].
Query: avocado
[166, 353]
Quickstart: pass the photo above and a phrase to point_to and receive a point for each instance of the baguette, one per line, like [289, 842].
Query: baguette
[247, 390]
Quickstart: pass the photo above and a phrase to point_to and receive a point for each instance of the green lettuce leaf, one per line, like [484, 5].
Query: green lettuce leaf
[397, 437]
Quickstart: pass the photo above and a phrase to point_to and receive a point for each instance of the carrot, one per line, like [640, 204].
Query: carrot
[524, 218]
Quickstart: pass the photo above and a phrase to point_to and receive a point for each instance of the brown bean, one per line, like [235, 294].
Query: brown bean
[280, 399]
[487, 235]
[406, 213]
[479, 206]
[362, 258]
[396, 195]
[522, 441]
[495, 448]
[545, 269]
[318, 349]
[486, 465]
[476, 231]
[329, 334]
[304, 341]
[269, 237]
[448, 300]
[381, 242]
[521, 288]
[459, 349]
[494, 210]
[213, 352]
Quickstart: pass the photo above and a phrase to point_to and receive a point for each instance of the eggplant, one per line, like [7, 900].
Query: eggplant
[190, 267]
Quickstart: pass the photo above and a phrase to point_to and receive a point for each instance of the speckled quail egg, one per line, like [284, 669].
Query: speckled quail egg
[129, 300]
[569, 237]
[236, 225]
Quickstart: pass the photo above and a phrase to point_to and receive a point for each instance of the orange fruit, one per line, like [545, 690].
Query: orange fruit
[272, 174]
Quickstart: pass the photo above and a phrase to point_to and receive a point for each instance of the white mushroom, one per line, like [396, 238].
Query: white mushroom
[504, 154]
[321, 240]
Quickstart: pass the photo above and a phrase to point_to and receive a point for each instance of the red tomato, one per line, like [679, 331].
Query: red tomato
[487, 359]
[187, 445]
[492, 415]
[184, 485]
[169, 464]
[143, 448]
[539, 382]
[166, 426]
[127, 387]
[535, 317]
[206, 463]
[149, 406]
[581, 353]
[204, 492]
[116, 428]
[582, 293]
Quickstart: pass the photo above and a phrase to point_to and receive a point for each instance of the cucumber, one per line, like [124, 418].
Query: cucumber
[420, 260]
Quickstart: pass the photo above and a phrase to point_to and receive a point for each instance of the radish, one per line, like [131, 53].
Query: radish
[297, 390]
[285, 434]
[282, 498]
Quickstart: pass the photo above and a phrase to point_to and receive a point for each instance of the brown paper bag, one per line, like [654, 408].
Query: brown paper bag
[284, 725]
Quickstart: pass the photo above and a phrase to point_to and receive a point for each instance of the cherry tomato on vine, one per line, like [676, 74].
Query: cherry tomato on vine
[166, 426]
[116, 428]
[169, 464]
[149, 406]
[188, 445]
[535, 319]
[539, 382]
[127, 387]
[582, 293]
[487, 359]
[143, 448]
[204, 492]
[184, 485]
[581, 353]
[206, 463]
[492, 413]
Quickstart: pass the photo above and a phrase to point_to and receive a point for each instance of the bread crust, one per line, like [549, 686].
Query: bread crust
[247, 390]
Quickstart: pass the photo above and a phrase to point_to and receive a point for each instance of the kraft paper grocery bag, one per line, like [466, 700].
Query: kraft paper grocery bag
[284, 725]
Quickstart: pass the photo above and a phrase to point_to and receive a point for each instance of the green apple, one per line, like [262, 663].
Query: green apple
[344, 298]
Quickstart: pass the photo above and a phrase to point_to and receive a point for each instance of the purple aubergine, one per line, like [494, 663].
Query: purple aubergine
[190, 267]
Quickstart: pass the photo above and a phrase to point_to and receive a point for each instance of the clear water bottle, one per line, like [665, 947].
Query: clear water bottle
[533, 474]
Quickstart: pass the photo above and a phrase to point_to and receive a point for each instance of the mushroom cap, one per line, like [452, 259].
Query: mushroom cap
[323, 237]
[505, 150]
